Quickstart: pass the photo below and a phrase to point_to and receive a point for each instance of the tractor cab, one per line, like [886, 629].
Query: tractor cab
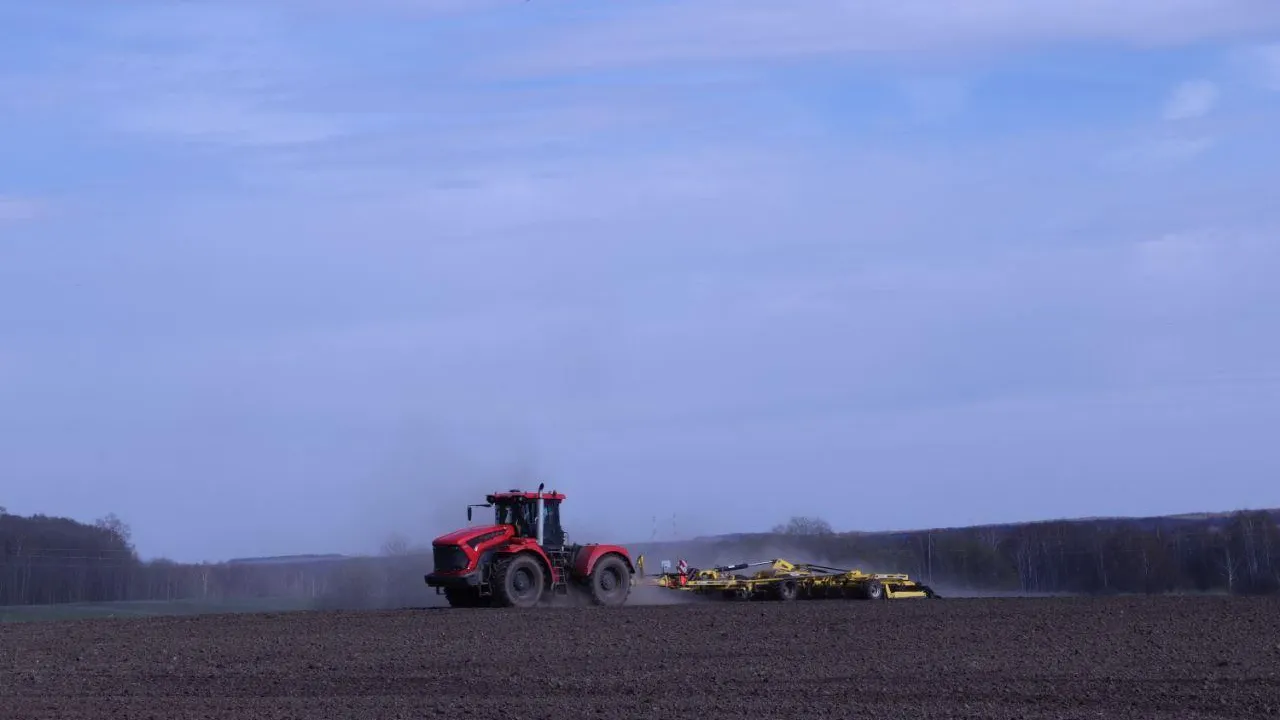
[534, 515]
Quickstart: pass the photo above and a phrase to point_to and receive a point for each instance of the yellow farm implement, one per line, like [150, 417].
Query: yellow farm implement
[782, 580]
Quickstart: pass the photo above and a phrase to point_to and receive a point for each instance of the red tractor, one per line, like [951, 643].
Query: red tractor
[522, 559]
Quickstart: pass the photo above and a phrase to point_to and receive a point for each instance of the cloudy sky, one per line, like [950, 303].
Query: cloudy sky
[287, 276]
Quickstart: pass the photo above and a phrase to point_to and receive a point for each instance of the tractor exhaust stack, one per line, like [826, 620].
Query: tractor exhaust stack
[540, 486]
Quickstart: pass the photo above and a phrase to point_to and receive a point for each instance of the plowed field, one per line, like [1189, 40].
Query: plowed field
[962, 658]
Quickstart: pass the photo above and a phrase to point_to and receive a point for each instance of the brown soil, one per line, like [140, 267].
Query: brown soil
[964, 658]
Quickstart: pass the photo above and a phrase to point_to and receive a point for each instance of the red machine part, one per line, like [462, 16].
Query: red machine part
[479, 565]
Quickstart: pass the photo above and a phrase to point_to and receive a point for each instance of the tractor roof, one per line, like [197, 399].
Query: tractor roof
[523, 495]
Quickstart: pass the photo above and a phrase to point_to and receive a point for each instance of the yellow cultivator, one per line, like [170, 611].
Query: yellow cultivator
[782, 580]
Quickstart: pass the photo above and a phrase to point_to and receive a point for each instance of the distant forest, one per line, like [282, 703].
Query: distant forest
[1236, 553]
[49, 560]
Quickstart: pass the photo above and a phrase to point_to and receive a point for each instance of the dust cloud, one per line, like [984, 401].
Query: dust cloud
[428, 475]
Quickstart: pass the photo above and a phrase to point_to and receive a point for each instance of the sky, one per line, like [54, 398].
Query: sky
[289, 276]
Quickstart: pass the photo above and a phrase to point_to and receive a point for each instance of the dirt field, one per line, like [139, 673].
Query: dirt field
[970, 658]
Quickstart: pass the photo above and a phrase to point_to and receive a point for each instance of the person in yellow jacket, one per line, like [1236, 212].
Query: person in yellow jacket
[640, 565]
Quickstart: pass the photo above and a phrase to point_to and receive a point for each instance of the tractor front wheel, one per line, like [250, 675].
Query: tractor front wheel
[518, 581]
[610, 581]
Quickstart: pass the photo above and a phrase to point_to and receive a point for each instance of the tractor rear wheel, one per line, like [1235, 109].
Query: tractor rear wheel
[610, 581]
[518, 581]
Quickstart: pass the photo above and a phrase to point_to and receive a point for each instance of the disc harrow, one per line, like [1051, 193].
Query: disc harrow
[783, 580]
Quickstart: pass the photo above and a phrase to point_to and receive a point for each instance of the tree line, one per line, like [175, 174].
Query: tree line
[1236, 553]
[46, 560]
[49, 560]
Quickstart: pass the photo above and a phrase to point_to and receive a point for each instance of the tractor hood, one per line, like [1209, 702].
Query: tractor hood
[460, 537]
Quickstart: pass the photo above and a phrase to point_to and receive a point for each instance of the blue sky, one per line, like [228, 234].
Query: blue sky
[287, 277]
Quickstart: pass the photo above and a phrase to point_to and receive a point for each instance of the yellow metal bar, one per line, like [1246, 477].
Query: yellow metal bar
[811, 582]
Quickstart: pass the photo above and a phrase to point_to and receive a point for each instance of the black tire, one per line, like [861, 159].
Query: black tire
[787, 590]
[518, 581]
[465, 598]
[610, 581]
[873, 590]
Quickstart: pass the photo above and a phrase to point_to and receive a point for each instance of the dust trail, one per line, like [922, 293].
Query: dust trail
[427, 474]
[961, 592]
[643, 594]
[702, 554]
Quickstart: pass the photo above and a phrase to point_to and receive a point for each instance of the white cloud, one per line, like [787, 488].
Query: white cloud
[530, 192]
[15, 209]
[417, 8]
[228, 120]
[1175, 256]
[1216, 275]
[230, 75]
[935, 98]
[1263, 64]
[1204, 252]
[647, 33]
[1160, 151]
[1191, 99]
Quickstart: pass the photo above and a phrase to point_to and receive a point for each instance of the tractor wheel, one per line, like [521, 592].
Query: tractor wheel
[610, 581]
[873, 590]
[787, 590]
[464, 598]
[518, 581]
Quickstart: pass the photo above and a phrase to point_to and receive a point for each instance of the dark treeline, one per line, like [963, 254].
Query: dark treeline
[1237, 553]
[49, 560]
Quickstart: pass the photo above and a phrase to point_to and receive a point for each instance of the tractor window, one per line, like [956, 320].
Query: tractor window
[554, 534]
[520, 514]
[527, 523]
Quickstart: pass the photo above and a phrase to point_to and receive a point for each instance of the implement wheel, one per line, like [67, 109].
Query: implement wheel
[873, 590]
[787, 590]
[610, 581]
[518, 581]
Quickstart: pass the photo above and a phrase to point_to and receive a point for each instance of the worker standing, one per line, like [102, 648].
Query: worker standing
[640, 564]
